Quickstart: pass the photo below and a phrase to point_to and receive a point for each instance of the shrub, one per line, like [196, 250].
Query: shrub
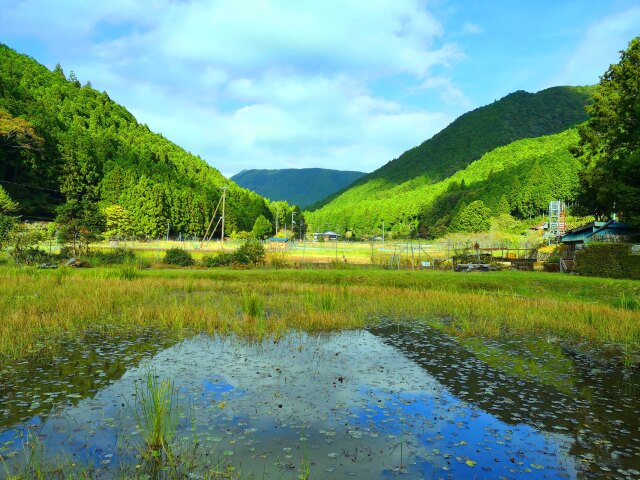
[178, 256]
[278, 260]
[114, 256]
[251, 252]
[219, 260]
[30, 256]
[612, 260]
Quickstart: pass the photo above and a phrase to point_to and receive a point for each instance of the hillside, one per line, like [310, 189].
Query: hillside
[302, 187]
[61, 141]
[519, 179]
[516, 116]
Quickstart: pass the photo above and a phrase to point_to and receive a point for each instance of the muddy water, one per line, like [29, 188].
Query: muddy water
[389, 401]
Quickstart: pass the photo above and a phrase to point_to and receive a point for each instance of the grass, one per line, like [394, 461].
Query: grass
[155, 413]
[40, 307]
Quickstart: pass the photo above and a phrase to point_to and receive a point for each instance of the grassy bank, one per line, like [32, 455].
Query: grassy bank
[38, 307]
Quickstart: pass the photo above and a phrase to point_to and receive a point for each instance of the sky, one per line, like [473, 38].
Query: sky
[347, 85]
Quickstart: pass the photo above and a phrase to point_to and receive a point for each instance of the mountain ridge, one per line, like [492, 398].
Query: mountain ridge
[297, 186]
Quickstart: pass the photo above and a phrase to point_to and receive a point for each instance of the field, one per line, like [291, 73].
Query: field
[39, 307]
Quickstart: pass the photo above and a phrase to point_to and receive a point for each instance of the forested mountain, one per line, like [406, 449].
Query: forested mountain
[401, 192]
[61, 141]
[518, 179]
[298, 186]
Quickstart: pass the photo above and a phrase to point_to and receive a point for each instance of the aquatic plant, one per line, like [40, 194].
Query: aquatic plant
[252, 305]
[155, 413]
[128, 273]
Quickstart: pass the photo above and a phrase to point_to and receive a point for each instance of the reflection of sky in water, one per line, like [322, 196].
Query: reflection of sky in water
[342, 403]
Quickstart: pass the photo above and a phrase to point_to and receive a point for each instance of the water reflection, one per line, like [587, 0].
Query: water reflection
[375, 403]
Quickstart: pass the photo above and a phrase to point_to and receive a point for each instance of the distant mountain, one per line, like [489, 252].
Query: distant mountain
[399, 192]
[60, 140]
[302, 187]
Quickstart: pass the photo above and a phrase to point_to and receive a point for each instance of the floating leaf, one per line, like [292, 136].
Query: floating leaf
[471, 463]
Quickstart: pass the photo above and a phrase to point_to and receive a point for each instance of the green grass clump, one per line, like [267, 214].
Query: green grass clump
[179, 257]
[155, 413]
[252, 305]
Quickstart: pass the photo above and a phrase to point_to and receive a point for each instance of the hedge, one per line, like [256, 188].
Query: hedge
[612, 260]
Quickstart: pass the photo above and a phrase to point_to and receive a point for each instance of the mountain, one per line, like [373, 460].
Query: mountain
[302, 187]
[60, 140]
[518, 179]
[402, 191]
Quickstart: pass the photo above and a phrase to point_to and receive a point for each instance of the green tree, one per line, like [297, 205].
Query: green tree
[610, 141]
[118, 222]
[475, 217]
[7, 220]
[262, 227]
[7, 205]
[79, 224]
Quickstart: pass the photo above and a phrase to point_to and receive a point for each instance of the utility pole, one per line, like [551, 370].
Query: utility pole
[293, 235]
[224, 194]
[168, 227]
[383, 232]
[277, 215]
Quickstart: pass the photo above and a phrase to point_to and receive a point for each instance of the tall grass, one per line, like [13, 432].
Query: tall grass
[155, 413]
[39, 308]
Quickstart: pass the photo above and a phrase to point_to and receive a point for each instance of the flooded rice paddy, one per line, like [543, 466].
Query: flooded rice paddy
[391, 401]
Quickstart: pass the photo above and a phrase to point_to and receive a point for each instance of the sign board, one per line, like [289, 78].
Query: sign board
[426, 264]
[635, 249]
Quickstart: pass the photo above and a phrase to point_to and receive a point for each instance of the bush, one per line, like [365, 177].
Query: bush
[114, 256]
[612, 260]
[219, 260]
[278, 260]
[178, 256]
[30, 256]
[251, 252]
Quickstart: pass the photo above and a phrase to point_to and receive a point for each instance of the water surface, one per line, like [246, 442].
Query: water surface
[390, 401]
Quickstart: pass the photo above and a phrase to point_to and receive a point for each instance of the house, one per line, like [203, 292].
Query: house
[610, 231]
[329, 235]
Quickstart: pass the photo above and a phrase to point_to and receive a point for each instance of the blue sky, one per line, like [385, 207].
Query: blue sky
[307, 83]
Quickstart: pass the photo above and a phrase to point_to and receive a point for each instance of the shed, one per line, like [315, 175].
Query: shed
[610, 231]
[328, 235]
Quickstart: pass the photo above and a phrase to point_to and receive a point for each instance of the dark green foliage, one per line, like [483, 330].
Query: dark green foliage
[114, 256]
[178, 256]
[83, 147]
[251, 252]
[610, 142]
[471, 257]
[219, 260]
[30, 256]
[79, 224]
[262, 228]
[302, 187]
[612, 260]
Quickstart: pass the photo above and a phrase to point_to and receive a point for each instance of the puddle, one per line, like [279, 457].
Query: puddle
[380, 403]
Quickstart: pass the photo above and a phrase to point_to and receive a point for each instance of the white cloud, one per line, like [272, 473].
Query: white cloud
[472, 28]
[599, 48]
[447, 90]
[258, 83]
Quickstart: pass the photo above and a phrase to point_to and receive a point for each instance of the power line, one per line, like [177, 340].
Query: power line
[30, 186]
